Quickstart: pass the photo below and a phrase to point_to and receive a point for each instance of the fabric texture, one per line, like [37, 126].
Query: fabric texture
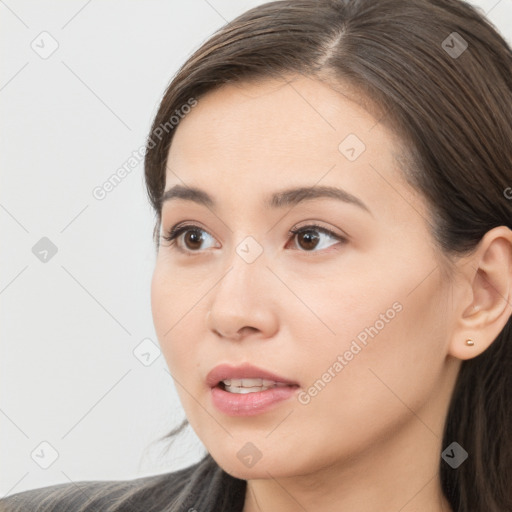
[201, 487]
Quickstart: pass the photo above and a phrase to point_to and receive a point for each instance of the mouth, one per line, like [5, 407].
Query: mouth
[247, 390]
[245, 378]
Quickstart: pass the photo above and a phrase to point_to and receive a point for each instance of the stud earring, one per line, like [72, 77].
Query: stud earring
[470, 342]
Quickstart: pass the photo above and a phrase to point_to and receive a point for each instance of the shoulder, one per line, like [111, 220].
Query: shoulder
[82, 496]
[202, 484]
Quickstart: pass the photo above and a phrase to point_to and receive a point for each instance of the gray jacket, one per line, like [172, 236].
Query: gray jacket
[201, 487]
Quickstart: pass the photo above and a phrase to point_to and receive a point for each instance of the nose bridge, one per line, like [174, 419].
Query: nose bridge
[243, 296]
[246, 267]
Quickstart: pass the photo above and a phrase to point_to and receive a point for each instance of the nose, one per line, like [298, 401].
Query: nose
[244, 302]
[236, 334]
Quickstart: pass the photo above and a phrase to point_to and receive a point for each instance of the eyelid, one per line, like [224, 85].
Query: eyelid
[316, 225]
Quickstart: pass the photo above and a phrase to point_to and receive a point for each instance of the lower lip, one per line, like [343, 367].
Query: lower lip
[250, 404]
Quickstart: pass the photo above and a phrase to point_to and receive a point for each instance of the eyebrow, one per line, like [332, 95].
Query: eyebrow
[284, 198]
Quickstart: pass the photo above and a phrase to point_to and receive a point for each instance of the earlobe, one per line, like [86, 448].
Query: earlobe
[488, 277]
[466, 350]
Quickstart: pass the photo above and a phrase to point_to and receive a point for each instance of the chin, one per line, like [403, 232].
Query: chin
[263, 468]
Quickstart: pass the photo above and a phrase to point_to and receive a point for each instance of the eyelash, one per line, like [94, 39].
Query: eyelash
[176, 231]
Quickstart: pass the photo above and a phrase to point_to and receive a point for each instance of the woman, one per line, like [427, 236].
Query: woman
[332, 288]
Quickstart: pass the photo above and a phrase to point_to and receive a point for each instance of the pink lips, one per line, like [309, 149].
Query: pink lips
[249, 404]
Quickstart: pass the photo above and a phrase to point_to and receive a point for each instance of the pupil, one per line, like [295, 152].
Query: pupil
[311, 238]
[193, 234]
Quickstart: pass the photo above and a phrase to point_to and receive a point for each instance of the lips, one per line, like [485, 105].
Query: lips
[244, 371]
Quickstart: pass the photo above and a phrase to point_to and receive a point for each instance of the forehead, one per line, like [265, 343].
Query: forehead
[263, 135]
[293, 115]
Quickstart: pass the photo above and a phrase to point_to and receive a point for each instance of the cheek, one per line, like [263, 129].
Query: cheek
[166, 298]
[175, 308]
[385, 361]
[161, 301]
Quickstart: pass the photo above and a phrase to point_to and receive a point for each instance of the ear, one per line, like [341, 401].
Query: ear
[487, 288]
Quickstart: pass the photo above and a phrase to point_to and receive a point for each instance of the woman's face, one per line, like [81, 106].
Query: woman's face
[358, 319]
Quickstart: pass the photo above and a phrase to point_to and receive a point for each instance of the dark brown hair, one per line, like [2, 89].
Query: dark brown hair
[451, 107]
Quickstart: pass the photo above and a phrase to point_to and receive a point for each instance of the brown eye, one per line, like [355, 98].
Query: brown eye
[193, 237]
[308, 237]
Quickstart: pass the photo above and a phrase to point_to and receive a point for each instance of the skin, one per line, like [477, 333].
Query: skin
[371, 439]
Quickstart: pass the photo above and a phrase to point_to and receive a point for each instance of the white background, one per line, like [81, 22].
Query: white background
[68, 375]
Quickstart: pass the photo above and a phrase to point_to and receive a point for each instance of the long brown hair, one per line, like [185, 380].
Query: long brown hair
[443, 76]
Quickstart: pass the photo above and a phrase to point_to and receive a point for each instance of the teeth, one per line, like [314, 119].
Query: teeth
[243, 386]
[251, 383]
[246, 383]
[243, 391]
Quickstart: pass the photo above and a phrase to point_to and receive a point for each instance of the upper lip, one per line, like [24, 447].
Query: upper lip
[244, 371]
